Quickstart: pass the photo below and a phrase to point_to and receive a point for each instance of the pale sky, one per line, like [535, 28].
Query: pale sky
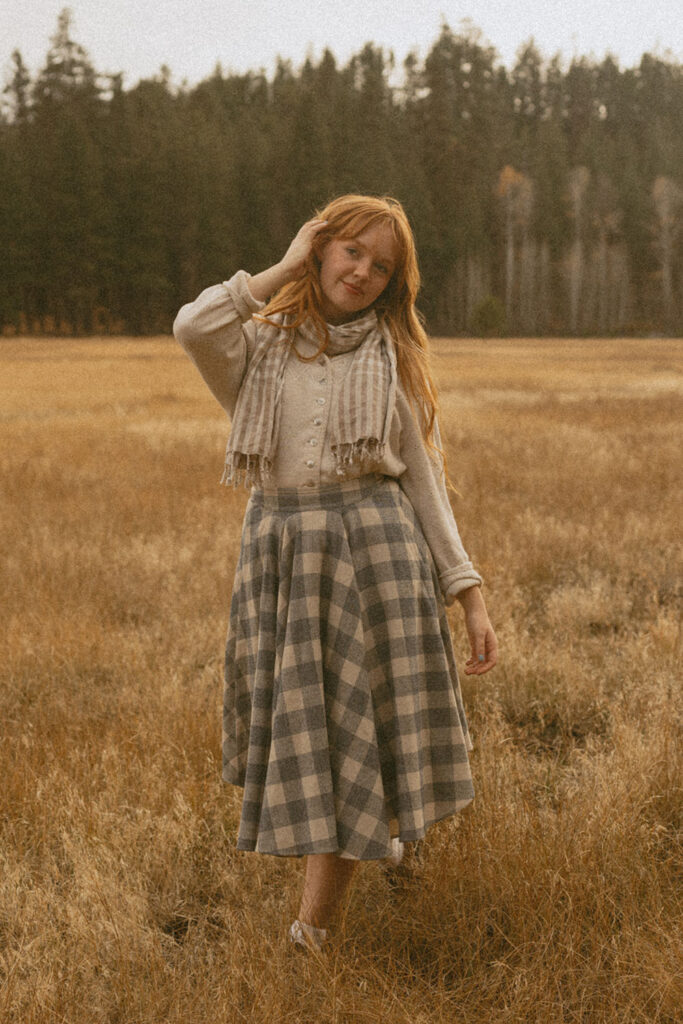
[191, 36]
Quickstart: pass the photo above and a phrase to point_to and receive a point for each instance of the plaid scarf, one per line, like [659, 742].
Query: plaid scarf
[359, 425]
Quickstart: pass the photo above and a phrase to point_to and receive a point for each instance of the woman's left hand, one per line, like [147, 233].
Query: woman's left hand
[483, 643]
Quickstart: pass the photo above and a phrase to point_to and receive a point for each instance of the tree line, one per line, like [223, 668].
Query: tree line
[545, 199]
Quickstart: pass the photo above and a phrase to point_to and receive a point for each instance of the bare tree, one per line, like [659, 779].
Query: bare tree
[578, 185]
[516, 192]
[668, 198]
[600, 302]
[478, 284]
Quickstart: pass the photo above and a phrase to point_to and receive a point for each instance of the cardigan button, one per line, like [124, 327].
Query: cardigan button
[317, 421]
[313, 441]
[310, 463]
[320, 401]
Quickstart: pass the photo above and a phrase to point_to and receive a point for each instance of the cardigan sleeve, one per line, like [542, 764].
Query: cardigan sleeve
[424, 486]
[218, 334]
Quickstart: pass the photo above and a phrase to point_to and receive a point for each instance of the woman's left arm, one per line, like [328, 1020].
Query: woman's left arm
[424, 486]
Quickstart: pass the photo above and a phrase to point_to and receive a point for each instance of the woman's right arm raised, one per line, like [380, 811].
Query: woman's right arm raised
[213, 329]
[292, 264]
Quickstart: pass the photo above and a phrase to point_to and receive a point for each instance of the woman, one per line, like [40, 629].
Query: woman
[343, 719]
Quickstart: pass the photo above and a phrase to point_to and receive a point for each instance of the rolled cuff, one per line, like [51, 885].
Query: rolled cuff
[245, 303]
[453, 581]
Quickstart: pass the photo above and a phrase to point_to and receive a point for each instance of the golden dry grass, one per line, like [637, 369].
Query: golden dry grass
[554, 898]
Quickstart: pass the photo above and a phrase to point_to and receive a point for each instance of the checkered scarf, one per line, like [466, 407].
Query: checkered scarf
[359, 426]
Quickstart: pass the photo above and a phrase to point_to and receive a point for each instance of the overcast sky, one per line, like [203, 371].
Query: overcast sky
[191, 36]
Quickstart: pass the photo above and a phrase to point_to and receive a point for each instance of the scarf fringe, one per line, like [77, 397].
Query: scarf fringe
[255, 470]
[368, 449]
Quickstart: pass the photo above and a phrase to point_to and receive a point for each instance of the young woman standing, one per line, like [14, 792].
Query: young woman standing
[343, 719]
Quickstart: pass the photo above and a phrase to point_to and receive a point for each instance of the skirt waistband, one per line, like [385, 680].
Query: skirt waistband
[346, 492]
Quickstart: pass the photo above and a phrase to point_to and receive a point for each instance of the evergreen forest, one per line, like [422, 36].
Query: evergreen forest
[546, 198]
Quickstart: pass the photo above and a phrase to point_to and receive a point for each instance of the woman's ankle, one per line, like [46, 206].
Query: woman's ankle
[312, 920]
[302, 934]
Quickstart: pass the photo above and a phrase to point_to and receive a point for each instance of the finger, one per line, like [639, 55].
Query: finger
[484, 655]
[306, 238]
[477, 657]
[491, 654]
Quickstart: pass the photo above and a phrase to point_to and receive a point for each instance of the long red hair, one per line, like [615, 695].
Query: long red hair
[347, 217]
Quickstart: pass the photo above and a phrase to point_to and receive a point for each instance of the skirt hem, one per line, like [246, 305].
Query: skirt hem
[410, 836]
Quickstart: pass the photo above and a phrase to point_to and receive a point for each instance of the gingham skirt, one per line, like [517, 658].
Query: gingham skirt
[343, 719]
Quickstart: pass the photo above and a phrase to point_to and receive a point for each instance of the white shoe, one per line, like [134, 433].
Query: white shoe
[307, 935]
[396, 856]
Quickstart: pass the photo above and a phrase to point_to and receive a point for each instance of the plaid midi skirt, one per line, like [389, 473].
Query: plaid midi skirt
[343, 719]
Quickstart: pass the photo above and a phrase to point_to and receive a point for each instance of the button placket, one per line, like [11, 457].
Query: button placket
[318, 420]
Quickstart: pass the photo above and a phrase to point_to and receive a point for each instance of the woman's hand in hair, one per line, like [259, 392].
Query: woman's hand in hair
[292, 264]
[483, 643]
[294, 260]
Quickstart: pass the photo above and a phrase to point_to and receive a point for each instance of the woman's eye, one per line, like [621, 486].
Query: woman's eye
[382, 270]
[352, 252]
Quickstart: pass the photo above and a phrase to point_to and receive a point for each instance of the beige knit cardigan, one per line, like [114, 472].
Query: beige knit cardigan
[218, 333]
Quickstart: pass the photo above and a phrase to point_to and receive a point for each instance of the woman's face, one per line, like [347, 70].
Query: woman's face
[355, 271]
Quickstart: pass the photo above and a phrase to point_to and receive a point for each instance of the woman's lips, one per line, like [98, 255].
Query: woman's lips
[350, 288]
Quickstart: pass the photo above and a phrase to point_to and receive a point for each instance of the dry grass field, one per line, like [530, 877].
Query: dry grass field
[555, 897]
